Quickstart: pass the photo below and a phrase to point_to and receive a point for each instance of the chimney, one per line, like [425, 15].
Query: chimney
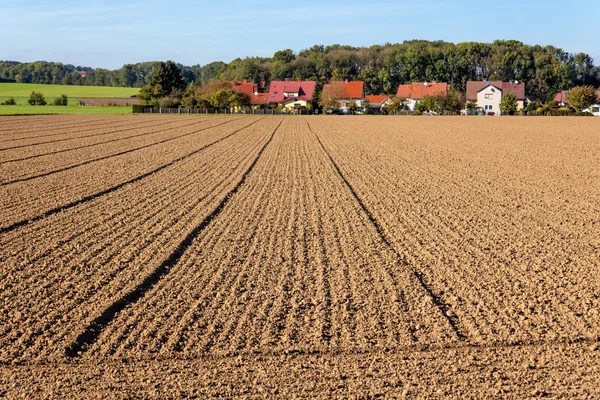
[346, 80]
[287, 79]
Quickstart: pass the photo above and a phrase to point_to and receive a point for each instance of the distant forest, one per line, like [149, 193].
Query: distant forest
[544, 69]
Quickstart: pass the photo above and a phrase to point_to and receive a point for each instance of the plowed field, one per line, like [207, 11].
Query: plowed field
[311, 257]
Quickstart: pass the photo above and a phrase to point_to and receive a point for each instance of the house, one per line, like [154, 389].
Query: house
[595, 109]
[82, 74]
[413, 93]
[562, 99]
[345, 93]
[376, 102]
[258, 100]
[488, 94]
[246, 87]
[291, 94]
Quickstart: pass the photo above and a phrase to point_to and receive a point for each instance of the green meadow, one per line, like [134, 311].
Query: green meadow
[21, 91]
[41, 110]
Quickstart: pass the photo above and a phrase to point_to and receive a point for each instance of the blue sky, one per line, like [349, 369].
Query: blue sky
[111, 33]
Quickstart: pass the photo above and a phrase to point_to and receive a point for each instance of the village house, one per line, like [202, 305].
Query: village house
[291, 94]
[562, 98]
[488, 94]
[251, 89]
[345, 93]
[375, 103]
[413, 93]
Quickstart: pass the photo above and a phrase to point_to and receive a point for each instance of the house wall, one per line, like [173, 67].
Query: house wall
[595, 110]
[345, 103]
[412, 104]
[292, 104]
[490, 96]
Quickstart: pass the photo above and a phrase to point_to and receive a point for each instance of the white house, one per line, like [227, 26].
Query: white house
[489, 94]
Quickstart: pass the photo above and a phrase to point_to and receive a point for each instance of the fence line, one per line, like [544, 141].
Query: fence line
[223, 111]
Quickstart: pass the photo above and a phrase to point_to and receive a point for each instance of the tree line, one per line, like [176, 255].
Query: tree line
[545, 70]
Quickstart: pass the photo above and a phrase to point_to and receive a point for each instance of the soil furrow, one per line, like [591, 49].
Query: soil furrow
[56, 171]
[113, 188]
[93, 331]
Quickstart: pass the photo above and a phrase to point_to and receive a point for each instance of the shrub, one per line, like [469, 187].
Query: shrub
[169, 102]
[540, 111]
[63, 100]
[36, 99]
[9, 102]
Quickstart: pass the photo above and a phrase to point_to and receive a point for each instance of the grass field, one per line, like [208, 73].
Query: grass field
[71, 109]
[21, 91]
[153, 256]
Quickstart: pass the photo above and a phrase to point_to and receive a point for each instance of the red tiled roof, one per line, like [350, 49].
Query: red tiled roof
[417, 90]
[376, 99]
[345, 90]
[259, 99]
[518, 89]
[245, 87]
[305, 90]
[473, 87]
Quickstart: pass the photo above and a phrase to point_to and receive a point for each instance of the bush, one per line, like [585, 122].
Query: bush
[540, 111]
[169, 102]
[139, 108]
[63, 100]
[9, 102]
[531, 107]
[36, 99]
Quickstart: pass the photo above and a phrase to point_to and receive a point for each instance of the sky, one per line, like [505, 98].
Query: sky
[110, 33]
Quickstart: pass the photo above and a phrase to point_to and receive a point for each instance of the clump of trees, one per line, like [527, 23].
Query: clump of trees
[169, 89]
[452, 102]
[166, 88]
[36, 99]
[545, 70]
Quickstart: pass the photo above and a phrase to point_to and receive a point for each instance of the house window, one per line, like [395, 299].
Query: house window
[489, 96]
[595, 109]
[490, 107]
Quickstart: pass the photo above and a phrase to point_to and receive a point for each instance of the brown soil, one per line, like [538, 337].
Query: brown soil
[158, 256]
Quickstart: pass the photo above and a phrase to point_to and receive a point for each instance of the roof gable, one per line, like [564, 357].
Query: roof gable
[277, 90]
[474, 87]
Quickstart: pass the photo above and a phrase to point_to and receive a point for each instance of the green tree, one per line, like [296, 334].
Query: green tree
[582, 97]
[36, 99]
[166, 81]
[508, 104]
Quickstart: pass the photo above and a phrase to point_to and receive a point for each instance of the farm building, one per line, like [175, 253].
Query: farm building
[414, 93]
[488, 94]
[291, 94]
